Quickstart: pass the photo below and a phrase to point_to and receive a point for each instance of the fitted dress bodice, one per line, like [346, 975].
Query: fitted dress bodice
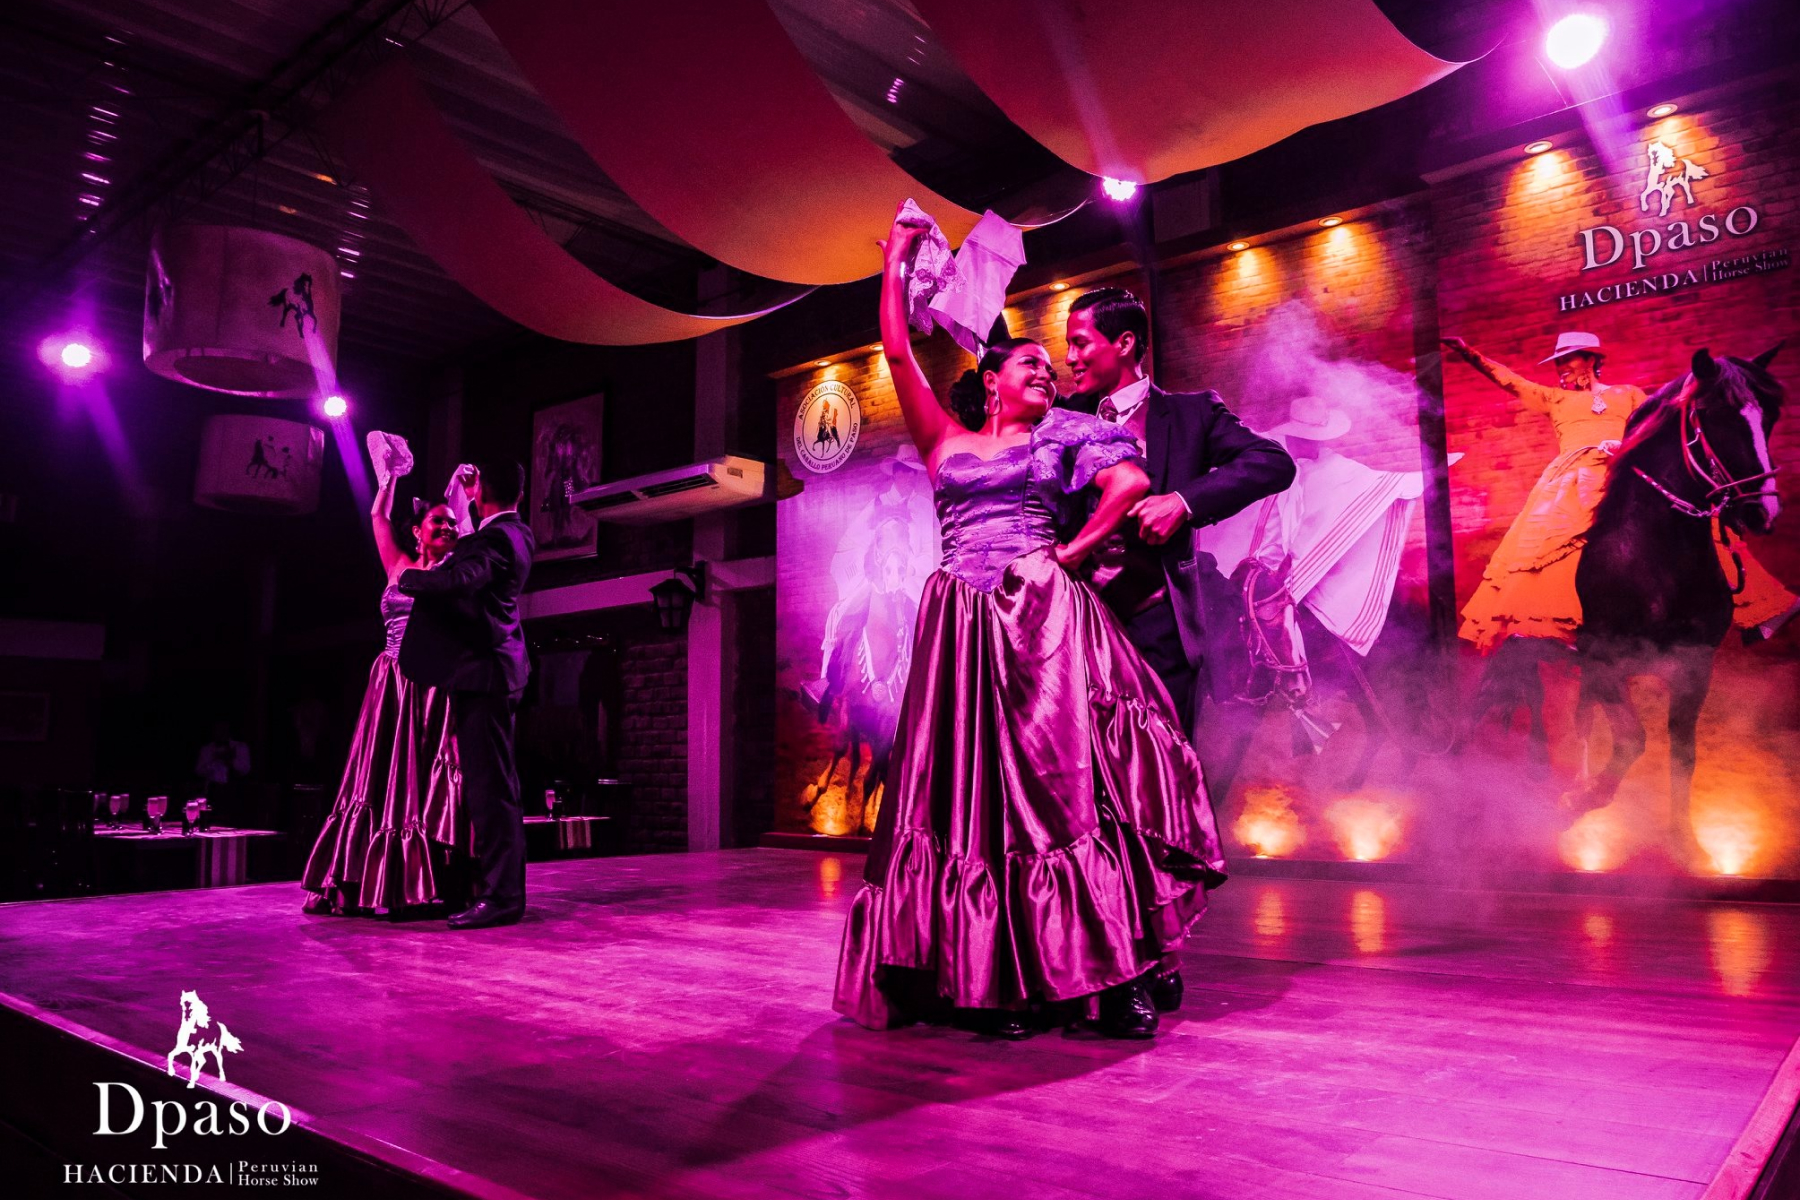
[396, 606]
[993, 510]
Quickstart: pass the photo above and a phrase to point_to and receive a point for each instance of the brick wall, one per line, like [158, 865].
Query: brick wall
[653, 741]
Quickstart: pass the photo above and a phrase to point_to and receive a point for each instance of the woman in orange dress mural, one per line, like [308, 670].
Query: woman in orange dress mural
[1528, 589]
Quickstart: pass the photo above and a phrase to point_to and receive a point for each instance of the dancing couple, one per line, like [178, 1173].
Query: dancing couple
[1047, 835]
[431, 790]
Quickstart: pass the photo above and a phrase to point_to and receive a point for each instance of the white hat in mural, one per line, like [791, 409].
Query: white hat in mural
[1575, 343]
[1312, 418]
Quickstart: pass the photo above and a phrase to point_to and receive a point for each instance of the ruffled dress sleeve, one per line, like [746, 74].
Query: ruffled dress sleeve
[1074, 447]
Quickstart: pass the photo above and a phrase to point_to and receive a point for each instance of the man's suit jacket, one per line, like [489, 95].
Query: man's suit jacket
[464, 632]
[1196, 447]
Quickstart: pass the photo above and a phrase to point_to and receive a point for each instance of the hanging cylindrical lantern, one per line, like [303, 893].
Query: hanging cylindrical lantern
[259, 464]
[241, 310]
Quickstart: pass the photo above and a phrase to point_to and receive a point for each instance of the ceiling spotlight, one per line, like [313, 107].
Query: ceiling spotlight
[76, 356]
[1539, 146]
[1663, 110]
[1328, 222]
[823, 362]
[1059, 286]
[1237, 245]
[1574, 40]
[1118, 189]
[876, 346]
[336, 406]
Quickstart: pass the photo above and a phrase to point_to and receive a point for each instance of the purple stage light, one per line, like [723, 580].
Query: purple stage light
[73, 357]
[1574, 40]
[336, 406]
[1118, 189]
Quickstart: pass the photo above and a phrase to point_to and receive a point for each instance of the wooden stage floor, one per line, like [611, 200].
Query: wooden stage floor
[661, 1027]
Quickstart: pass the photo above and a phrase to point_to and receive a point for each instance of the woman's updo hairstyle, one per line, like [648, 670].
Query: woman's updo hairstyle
[968, 395]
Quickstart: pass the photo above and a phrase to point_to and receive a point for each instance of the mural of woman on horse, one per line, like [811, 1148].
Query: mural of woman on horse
[1528, 588]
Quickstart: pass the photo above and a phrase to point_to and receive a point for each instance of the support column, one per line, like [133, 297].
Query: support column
[712, 627]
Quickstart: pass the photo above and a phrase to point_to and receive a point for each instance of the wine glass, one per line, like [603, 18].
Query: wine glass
[156, 806]
[192, 811]
[550, 802]
[117, 805]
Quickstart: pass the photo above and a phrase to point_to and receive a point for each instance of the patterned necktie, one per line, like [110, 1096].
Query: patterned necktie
[1109, 412]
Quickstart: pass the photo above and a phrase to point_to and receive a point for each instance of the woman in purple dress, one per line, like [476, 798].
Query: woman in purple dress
[396, 838]
[1047, 834]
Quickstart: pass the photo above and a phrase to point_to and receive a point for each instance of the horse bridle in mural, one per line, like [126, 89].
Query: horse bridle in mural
[1705, 466]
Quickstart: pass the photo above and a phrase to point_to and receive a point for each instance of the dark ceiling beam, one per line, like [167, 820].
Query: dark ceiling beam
[258, 119]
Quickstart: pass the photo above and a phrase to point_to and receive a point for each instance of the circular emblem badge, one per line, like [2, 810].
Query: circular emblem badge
[826, 426]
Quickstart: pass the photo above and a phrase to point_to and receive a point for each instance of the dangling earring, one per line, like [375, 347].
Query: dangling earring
[993, 403]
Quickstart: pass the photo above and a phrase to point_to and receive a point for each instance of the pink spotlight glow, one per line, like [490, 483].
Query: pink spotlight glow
[336, 406]
[73, 356]
[1574, 40]
[1118, 189]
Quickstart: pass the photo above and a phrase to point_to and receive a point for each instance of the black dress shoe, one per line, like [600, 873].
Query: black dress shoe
[1126, 1011]
[1166, 992]
[484, 914]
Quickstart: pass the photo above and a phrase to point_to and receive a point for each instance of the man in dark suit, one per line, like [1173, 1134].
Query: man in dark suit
[1203, 465]
[464, 636]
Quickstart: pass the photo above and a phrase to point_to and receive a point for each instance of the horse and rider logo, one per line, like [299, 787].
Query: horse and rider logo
[189, 1042]
[1666, 174]
[826, 427]
[296, 300]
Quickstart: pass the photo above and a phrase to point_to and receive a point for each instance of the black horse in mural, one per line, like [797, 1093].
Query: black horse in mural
[1654, 597]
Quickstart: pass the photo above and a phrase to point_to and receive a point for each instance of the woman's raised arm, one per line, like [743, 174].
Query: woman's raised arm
[926, 419]
[393, 558]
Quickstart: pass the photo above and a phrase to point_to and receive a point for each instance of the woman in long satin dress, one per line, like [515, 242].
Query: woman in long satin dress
[395, 839]
[1047, 834]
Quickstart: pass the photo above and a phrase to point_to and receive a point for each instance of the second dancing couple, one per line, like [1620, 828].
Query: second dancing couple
[431, 788]
[1047, 835]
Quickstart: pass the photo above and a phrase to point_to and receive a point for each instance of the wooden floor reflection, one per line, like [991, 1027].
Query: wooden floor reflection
[661, 1027]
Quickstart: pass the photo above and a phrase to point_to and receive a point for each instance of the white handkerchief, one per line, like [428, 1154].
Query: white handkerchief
[990, 256]
[390, 454]
[457, 497]
[932, 269]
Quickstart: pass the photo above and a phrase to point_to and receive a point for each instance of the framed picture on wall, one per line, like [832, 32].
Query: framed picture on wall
[565, 458]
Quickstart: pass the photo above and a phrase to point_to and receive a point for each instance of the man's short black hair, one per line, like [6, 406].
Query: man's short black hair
[1117, 312]
[502, 481]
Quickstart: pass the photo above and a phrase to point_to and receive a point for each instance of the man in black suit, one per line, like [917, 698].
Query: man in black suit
[1203, 465]
[464, 636]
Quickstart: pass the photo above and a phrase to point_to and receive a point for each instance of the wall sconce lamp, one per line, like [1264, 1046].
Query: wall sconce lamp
[674, 598]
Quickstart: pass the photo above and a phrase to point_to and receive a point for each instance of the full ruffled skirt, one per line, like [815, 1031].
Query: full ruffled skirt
[1047, 832]
[397, 836]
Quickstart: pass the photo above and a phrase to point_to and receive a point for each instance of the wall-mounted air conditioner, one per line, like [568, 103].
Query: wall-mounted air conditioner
[702, 487]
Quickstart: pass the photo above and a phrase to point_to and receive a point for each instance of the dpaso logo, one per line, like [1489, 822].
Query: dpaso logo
[172, 1117]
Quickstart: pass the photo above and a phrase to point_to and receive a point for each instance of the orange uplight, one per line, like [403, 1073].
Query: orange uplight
[1597, 842]
[1730, 834]
[1367, 829]
[1269, 827]
[1739, 942]
[1368, 922]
